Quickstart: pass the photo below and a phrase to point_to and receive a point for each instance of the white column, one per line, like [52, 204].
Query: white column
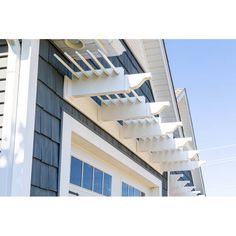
[8, 132]
[24, 133]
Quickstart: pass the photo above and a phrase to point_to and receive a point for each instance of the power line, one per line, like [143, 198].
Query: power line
[217, 147]
[220, 161]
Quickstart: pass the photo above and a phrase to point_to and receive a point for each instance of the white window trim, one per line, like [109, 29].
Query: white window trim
[71, 125]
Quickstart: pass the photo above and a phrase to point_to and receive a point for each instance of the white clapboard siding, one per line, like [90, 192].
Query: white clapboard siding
[3, 73]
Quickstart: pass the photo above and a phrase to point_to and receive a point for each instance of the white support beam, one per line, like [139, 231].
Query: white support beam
[180, 165]
[173, 155]
[161, 144]
[122, 109]
[188, 194]
[178, 184]
[178, 190]
[103, 85]
[136, 129]
[175, 177]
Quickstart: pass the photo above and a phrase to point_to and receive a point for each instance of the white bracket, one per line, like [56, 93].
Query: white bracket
[175, 155]
[180, 165]
[144, 129]
[161, 144]
[124, 108]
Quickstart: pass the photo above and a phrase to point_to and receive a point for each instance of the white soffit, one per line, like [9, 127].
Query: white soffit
[152, 56]
[111, 47]
[185, 115]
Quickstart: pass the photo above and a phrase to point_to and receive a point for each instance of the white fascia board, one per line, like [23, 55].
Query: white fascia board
[170, 84]
[71, 125]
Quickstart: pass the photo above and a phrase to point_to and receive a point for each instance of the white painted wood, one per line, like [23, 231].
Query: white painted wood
[175, 177]
[24, 133]
[136, 130]
[103, 85]
[122, 109]
[3, 62]
[178, 184]
[11, 74]
[161, 144]
[173, 155]
[181, 165]
[3, 73]
[184, 189]
[71, 125]
[187, 194]
[1, 108]
[2, 85]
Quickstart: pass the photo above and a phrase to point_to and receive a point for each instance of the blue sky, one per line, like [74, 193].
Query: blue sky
[207, 69]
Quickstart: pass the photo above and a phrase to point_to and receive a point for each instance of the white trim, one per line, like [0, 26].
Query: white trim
[21, 177]
[18, 133]
[171, 86]
[9, 126]
[71, 125]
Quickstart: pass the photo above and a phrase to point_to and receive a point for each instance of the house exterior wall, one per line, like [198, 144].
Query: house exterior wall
[3, 73]
[48, 120]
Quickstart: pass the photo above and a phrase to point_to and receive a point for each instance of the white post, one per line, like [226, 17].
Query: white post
[24, 133]
[8, 132]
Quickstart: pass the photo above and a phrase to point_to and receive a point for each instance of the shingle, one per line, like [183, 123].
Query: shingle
[3, 49]
[55, 129]
[46, 127]
[55, 154]
[36, 170]
[37, 119]
[44, 176]
[35, 191]
[40, 94]
[56, 106]
[37, 146]
[44, 49]
[3, 42]
[59, 83]
[46, 149]
[52, 182]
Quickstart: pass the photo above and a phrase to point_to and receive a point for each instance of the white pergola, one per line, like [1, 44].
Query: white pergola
[119, 101]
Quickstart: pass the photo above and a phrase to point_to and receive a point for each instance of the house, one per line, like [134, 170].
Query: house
[94, 118]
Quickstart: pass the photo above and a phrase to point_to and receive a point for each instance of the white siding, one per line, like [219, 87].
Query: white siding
[3, 72]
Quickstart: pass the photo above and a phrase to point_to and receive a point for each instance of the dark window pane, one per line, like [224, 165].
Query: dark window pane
[136, 192]
[124, 189]
[98, 181]
[142, 194]
[88, 176]
[75, 171]
[107, 185]
[131, 191]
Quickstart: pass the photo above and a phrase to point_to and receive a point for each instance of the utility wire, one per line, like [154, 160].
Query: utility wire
[220, 161]
[217, 147]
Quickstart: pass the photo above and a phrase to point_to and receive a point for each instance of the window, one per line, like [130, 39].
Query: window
[76, 171]
[98, 178]
[124, 189]
[88, 176]
[128, 190]
[84, 175]
[107, 185]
